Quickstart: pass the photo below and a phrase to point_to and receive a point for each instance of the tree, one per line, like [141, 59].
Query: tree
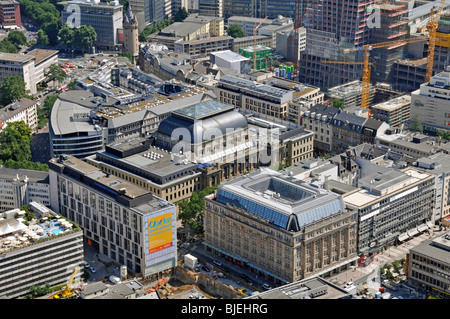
[181, 15]
[8, 47]
[84, 37]
[192, 211]
[15, 142]
[55, 74]
[66, 35]
[12, 88]
[42, 38]
[127, 55]
[415, 125]
[235, 31]
[337, 103]
[17, 38]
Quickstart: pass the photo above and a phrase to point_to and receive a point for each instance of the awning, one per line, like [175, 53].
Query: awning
[403, 237]
[422, 227]
[429, 224]
[413, 232]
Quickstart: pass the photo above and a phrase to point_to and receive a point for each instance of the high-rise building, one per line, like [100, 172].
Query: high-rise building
[212, 8]
[332, 26]
[105, 18]
[127, 223]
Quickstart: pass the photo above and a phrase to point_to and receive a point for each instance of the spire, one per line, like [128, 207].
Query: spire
[130, 15]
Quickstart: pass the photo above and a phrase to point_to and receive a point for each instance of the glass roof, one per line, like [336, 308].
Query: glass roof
[202, 110]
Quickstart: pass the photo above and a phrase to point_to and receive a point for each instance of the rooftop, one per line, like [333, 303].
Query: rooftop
[437, 248]
[394, 103]
[42, 54]
[202, 110]
[275, 197]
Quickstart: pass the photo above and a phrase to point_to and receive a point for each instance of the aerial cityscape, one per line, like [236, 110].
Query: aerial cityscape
[243, 150]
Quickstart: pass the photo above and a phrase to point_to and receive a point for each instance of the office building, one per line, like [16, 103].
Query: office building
[118, 217]
[391, 205]
[37, 254]
[213, 8]
[350, 94]
[18, 187]
[105, 18]
[261, 40]
[439, 165]
[411, 145]
[285, 44]
[257, 97]
[279, 227]
[395, 112]
[431, 103]
[428, 266]
[10, 14]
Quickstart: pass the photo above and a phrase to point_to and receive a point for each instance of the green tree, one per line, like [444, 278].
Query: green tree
[235, 31]
[12, 88]
[15, 142]
[17, 38]
[127, 55]
[181, 15]
[66, 35]
[51, 29]
[42, 38]
[7, 46]
[84, 37]
[192, 211]
[415, 125]
[337, 103]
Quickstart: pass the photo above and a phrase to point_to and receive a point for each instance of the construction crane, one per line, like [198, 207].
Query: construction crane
[254, 42]
[68, 291]
[367, 64]
[432, 27]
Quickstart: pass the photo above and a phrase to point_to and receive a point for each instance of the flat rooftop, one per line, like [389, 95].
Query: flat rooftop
[437, 248]
[42, 54]
[394, 103]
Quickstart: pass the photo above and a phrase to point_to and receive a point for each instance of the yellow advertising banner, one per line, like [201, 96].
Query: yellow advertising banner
[160, 232]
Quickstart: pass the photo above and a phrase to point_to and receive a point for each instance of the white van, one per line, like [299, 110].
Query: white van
[115, 280]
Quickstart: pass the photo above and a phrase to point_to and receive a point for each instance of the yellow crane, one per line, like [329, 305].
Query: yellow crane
[367, 65]
[68, 291]
[432, 27]
[254, 42]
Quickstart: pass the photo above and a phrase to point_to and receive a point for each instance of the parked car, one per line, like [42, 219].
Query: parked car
[92, 269]
[243, 291]
[218, 263]
[86, 264]
[266, 287]
[204, 268]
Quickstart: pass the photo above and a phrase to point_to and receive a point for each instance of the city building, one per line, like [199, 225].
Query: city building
[216, 25]
[257, 97]
[428, 266]
[244, 42]
[279, 227]
[330, 28]
[409, 74]
[347, 131]
[318, 120]
[202, 47]
[23, 109]
[393, 26]
[37, 253]
[413, 145]
[131, 34]
[430, 103]
[213, 8]
[22, 65]
[439, 165]
[105, 18]
[127, 223]
[263, 56]
[285, 44]
[231, 60]
[391, 205]
[350, 94]
[147, 166]
[44, 58]
[395, 112]
[70, 128]
[18, 187]
[10, 14]
[315, 288]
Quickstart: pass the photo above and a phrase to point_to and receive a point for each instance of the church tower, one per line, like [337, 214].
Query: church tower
[131, 34]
